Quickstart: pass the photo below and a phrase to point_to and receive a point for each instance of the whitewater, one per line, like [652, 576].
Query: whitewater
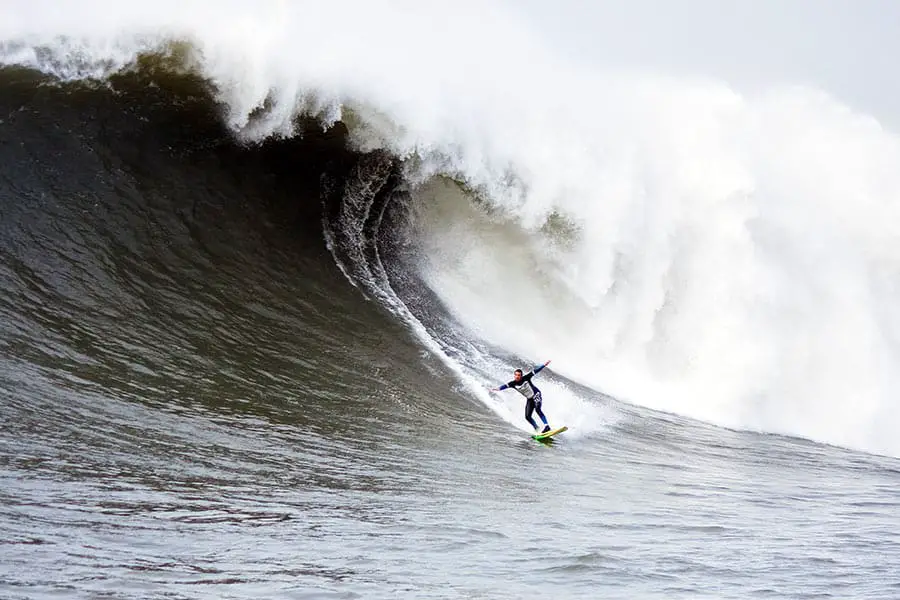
[669, 241]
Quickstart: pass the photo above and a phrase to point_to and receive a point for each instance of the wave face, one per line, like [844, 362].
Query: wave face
[667, 241]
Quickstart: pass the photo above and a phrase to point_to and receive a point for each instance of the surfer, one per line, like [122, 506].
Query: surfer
[522, 384]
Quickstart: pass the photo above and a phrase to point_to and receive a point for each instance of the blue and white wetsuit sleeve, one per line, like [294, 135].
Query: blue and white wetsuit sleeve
[537, 369]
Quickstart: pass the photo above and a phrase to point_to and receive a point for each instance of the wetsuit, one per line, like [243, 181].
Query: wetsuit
[531, 393]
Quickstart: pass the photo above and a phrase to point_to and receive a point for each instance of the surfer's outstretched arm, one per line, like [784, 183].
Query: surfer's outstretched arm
[520, 377]
[538, 368]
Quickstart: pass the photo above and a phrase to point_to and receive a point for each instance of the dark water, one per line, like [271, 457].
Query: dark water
[195, 402]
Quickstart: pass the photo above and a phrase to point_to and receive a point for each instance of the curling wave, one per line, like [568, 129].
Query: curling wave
[667, 241]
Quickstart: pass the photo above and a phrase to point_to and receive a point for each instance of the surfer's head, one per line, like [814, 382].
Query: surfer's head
[518, 374]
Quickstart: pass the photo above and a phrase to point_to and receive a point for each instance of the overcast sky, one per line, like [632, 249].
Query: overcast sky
[850, 48]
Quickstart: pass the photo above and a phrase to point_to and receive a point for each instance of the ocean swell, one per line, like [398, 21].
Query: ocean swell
[668, 241]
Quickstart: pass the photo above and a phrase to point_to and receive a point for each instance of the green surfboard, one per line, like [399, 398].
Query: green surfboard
[546, 436]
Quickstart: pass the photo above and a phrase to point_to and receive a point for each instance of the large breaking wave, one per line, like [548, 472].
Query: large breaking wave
[667, 241]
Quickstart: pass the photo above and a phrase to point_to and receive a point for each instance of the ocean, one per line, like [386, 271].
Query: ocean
[260, 267]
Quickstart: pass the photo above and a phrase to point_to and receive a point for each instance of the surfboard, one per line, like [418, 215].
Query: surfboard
[546, 436]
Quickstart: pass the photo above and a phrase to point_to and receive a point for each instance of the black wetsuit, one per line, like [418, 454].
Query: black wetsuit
[531, 393]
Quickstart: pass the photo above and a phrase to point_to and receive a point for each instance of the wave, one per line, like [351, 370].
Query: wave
[666, 240]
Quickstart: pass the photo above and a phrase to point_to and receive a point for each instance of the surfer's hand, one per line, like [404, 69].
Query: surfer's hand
[546, 363]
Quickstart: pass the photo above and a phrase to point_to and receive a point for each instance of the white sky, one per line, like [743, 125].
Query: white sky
[850, 48]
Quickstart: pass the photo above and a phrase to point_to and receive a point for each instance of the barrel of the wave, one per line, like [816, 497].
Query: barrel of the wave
[522, 383]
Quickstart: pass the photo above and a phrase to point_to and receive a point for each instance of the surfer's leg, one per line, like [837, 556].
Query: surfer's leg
[529, 408]
[537, 407]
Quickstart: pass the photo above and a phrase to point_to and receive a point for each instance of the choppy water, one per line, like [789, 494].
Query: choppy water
[196, 403]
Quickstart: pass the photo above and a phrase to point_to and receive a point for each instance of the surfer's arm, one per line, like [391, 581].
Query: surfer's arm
[502, 387]
[538, 368]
